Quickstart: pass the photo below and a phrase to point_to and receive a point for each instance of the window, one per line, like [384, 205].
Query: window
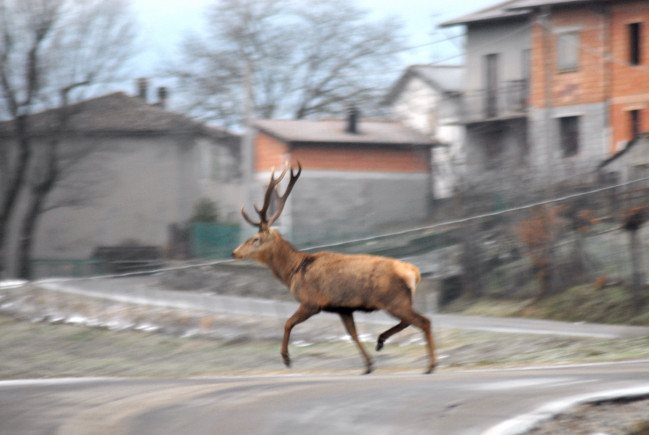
[569, 135]
[568, 51]
[491, 85]
[634, 120]
[635, 39]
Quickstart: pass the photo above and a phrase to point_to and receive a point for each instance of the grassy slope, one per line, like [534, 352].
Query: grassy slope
[584, 303]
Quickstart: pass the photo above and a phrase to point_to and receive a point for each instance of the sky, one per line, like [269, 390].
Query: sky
[164, 24]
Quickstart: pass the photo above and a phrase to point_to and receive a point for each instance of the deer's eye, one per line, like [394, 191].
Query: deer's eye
[256, 241]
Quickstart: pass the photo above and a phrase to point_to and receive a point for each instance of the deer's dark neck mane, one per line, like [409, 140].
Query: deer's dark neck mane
[286, 262]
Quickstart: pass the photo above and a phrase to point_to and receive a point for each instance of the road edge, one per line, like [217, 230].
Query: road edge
[523, 423]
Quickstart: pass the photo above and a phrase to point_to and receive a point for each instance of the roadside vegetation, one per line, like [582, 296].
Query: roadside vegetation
[581, 303]
[44, 350]
[57, 335]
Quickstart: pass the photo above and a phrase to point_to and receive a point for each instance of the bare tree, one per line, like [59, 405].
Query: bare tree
[51, 52]
[303, 58]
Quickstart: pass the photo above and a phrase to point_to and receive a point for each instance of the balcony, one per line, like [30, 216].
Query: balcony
[497, 104]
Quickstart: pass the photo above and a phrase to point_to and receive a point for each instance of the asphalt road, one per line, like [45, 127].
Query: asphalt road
[496, 402]
[447, 402]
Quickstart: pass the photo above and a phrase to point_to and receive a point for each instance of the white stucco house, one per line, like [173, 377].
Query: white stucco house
[427, 98]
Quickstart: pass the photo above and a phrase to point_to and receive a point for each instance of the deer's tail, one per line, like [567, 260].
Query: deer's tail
[410, 274]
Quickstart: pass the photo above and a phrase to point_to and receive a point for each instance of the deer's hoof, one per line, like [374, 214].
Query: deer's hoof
[287, 360]
[368, 368]
[431, 369]
[379, 345]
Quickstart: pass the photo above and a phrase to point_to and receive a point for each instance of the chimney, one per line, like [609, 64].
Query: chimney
[162, 97]
[352, 120]
[142, 88]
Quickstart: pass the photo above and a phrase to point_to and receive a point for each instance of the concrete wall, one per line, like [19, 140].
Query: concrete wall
[498, 155]
[546, 154]
[327, 206]
[220, 178]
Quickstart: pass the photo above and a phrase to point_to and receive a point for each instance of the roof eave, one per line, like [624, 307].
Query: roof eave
[464, 21]
[533, 5]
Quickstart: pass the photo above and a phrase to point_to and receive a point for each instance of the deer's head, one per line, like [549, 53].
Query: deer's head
[259, 246]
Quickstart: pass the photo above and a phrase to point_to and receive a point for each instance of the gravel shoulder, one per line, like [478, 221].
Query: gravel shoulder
[618, 417]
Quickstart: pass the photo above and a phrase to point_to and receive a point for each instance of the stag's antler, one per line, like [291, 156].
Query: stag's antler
[264, 222]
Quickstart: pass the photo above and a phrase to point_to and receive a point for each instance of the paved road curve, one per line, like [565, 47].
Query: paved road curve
[448, 402]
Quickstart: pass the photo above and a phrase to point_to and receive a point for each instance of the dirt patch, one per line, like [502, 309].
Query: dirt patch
[610, 418]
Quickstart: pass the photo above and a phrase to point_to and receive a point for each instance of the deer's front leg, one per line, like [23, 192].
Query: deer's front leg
[302, 313]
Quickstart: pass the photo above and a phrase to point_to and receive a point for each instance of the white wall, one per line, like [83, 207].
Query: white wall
[509, 39]
[423, 108]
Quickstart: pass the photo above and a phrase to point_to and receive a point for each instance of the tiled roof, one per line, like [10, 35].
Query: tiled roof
[334, 131]
[508, 9]
[117, 114]
[444, 78]
[498, 11]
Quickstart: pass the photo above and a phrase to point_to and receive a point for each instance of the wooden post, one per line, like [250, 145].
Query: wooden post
[632, 224]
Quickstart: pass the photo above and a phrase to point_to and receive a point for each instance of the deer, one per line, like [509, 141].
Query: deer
[333, 282]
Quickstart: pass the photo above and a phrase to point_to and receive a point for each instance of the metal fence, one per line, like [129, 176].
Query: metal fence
[210, 240]
[505, 101]
[501, 246]
[69, 267]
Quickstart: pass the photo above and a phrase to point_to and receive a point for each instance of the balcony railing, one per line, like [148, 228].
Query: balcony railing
[506, 102]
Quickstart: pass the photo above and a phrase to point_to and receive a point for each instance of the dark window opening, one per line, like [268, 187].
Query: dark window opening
[634, 116]
[635, 39]
[491, 85]
[569, 135]
[494, 147]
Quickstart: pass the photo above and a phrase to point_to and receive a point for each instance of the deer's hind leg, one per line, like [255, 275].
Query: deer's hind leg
[389, 333]
[409, 316]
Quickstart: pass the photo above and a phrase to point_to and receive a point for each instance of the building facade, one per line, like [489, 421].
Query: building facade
[495, 96]
[358, 176]
[586, 73]
[427, 98]
[130, 170]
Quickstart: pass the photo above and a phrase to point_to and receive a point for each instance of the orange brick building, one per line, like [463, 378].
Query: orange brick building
[584, 70]
[629, 69]
[357, 176]
[592, 54]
